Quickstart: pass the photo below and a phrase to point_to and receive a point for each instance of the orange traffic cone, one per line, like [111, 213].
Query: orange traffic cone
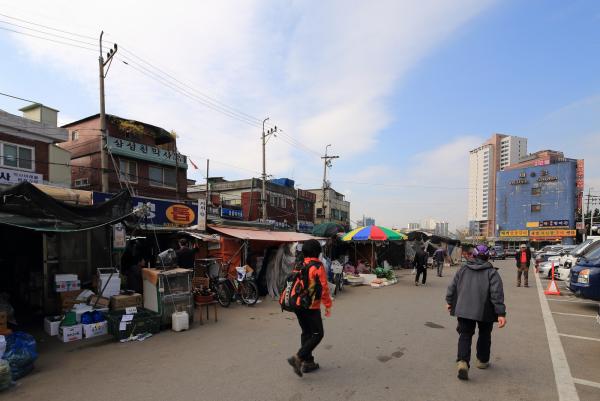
[552, 287]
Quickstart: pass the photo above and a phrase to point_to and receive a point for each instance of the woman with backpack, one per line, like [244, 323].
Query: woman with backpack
[305, 288]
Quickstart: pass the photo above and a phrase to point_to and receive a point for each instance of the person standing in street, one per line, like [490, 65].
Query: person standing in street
[309, 318]
[439, 257]
[523, 258]
[476, 298]
[420, 263]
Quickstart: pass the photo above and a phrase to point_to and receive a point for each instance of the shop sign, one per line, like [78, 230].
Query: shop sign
[580, 225]
[142, 151]
[554, 223]
[543, 162]
[119, 241]
[553, 233]
[10, 177]
[545, 177]
[202, 214]
[181, 215]
[533, 224]
[166, 213]
[514, 233]
[305, 226]
[234, 214]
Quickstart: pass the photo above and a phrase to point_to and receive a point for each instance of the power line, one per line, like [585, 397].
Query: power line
[48, 39]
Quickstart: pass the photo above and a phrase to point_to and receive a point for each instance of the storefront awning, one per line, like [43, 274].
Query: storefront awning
[262, 235]
[201, 236]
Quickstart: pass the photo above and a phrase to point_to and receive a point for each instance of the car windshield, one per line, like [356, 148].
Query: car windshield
[591, 249]
[593, 256]
[576, 251]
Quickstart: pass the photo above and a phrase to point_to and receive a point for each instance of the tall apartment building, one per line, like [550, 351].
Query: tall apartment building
[485, 161]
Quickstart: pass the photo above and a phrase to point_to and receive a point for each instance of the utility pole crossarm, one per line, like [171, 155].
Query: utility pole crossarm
[103, 132]
[326, 163]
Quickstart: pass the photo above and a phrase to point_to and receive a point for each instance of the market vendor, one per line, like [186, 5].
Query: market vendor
[185, 254]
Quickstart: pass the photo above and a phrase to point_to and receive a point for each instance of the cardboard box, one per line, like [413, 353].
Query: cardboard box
[122, 301]
[95, 329]
[102, 302]
[51, 324]
[67, 334]
[66, 282]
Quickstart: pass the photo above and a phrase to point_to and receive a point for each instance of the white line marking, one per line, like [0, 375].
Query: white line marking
[575, 301]
[562, 373]
[586, 383]
[579, 337]
[573, 314]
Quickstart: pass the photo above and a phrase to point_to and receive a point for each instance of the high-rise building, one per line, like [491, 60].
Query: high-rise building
[485, 161]
[368, 221]
[441, 228]
[414, 226]
[429, 224]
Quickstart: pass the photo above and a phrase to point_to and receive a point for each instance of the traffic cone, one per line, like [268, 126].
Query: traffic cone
[552, 287]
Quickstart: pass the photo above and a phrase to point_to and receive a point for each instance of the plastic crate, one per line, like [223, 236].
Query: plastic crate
[144, 321]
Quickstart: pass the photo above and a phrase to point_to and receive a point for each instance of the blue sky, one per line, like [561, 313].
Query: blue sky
[401, 89]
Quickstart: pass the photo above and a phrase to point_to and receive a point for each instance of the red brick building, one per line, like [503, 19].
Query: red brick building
[140, 154]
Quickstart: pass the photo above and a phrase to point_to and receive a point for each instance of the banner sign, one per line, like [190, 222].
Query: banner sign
[234, 214]
[202, 214]
[533, 224]
[553, 233]
[119, 240]
[554, 223]
[11, 177]
[165, 213]
[150, 153]
[514, 233]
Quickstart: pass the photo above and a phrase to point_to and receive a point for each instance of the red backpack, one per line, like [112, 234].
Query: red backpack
[295, 292]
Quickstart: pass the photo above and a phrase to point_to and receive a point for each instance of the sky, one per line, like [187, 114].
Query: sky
[402, 90]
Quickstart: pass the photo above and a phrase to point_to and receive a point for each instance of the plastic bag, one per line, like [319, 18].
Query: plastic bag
[20, 353]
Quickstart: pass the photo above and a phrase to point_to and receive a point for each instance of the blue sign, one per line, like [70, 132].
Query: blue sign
[161, 212]
[554, 223]
[234, 214]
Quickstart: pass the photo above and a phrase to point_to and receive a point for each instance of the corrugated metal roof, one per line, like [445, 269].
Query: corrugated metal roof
[263, 235]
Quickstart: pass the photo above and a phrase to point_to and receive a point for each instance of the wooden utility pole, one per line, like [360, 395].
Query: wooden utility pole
[326, 163]
[103, 132]
[264, 137]
[207, 192]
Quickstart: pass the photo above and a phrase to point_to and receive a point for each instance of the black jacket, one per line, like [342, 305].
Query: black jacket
[518, 256]
[476, 292]
[420, 260]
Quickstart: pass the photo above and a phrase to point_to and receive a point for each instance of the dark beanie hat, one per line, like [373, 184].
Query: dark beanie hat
[311, 248]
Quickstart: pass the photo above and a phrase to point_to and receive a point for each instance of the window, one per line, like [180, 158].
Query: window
[128, 171]
[320, 212]
[536, 207]
[162, 177]
[81, 182]
[17, 156]
[74, 135]
[536, 191]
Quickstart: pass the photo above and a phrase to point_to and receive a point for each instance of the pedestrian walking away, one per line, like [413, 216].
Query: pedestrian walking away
[307, 286]
[476, 298]
[420, 263]
[439, 257]
[523, 258]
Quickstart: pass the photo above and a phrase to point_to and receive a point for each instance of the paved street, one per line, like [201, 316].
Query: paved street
[395, 343]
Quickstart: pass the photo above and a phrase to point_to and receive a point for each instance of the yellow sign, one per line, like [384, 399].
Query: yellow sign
[180, 214]
[553, 233]
[533, 224]
[514, 233]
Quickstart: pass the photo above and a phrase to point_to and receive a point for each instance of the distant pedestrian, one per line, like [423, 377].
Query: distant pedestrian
[420, 264]
[439, 257]
[308, 287]
[476, 298]
[185, 254]
[523, 258]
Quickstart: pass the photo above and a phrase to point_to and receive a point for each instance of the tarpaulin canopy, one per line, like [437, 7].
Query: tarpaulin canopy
[25, 206]
[263, 235]
[327, 229]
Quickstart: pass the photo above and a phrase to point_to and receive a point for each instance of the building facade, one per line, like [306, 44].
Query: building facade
[441, 228]
[368, 221]
[538, 201]
[414, 226]
[496, 154]
[28, 148]
[331, 206]
[142, 157]
[287, 207]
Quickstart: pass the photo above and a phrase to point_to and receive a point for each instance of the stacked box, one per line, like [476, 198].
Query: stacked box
[122, 301]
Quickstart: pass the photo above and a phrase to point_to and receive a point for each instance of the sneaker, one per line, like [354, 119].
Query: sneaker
[482, 365]
[308, 367]
[463, 370]
[296, 364]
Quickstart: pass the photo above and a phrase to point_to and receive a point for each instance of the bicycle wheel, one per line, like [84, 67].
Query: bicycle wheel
[223, 295]
[249, 292]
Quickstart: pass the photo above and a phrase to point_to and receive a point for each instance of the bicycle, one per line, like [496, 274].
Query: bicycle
[216, 283]
[243, 286]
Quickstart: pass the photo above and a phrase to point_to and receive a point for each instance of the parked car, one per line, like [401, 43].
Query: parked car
[510, 252]
[585, 276]
[570, 259]
[563, 272]
[545, 268]
[497, 252]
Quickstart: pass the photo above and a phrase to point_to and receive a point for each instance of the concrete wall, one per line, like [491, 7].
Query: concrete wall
[59, 169]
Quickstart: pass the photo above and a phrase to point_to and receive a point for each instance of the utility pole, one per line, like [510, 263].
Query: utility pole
[326, 163]
[583, 213]
[264, 137]
[207, 192]
[297, 221]
[103, 133]
[591, 211]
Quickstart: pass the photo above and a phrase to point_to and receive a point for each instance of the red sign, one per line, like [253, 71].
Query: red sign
[579, 182]
[180, 214]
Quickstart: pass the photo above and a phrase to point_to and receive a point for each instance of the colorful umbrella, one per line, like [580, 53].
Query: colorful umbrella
[373, 233]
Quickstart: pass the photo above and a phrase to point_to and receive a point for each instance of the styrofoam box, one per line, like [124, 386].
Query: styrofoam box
[67, 334]
[95, 329]
[51, 325]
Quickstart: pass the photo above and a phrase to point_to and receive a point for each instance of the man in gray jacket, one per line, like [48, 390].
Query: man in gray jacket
[476, 298]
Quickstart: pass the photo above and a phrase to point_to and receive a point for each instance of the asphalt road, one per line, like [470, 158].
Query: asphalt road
[394, 343]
